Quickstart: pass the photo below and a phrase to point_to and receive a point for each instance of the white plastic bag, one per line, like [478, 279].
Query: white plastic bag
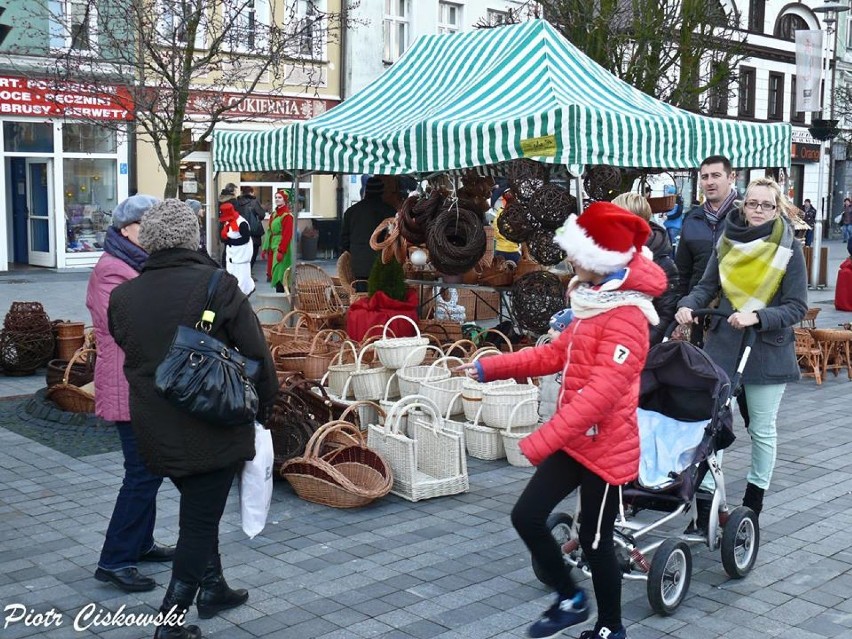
[256, 483]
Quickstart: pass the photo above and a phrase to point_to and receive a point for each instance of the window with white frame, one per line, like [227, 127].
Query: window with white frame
[174, 18]
[449, 17]
[849, 32]
[81, 25]
[396, 23]
[308, 30]
[246, 23]
[495, 18]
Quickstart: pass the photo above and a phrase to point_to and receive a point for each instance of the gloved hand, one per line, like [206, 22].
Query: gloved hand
[279, 256]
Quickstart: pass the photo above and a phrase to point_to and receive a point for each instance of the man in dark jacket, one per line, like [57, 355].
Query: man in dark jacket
[359, 222]
[248, 206]
[703, 225]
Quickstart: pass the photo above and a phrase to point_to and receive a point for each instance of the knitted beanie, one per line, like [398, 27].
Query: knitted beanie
[169, 224]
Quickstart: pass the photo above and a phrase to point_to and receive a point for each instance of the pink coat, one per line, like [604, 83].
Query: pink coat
[111, 389]
[601, 358]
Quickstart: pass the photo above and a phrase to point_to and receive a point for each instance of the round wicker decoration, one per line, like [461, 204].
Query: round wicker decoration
[602, 182]
[410, 227]
[27, 317]
[456, 241]
[535, 298]
[551, 205]
[22, 352]
[514, 222]
[526, 177]
[544, 249]
[427, 206]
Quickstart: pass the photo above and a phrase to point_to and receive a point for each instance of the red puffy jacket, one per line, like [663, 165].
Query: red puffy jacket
[601, 358]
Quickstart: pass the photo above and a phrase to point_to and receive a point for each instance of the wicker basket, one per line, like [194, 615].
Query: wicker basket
[286, 359]
[462, 348]
[499, 402]
[409, 377]
[303, 330]
[512, 436]
[81, 373]
[472, 389]
[429, 464]
[69, 397]
[483, 442]
[338, 373]
[321, 353]
[395, 352]
[367, 383]
[268, 326]
[445, 393]
[69, 329]
[662, 204]
[345, 477]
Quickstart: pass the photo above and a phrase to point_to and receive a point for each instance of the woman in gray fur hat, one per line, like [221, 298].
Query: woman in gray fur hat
[199, 457]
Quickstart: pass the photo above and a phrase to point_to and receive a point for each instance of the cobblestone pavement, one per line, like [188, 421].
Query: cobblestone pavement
[449, 567]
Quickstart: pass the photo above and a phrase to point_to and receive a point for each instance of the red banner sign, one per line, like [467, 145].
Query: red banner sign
[31, 97]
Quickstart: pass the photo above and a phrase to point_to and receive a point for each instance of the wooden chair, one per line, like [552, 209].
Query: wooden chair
[808, 354]
[809, 321]
[317, 297]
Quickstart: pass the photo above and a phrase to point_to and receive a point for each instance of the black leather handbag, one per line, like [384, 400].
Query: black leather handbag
[207, 378]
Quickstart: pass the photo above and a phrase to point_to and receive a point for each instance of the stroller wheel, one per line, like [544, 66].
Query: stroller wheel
[740, 542]
[669, 577]
[560, 525]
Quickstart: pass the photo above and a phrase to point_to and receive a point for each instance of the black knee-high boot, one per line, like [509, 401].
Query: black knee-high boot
[753, 498]
[178, 599]
[215, 595]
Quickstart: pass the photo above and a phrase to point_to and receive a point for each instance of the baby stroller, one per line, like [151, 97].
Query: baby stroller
[684, 419]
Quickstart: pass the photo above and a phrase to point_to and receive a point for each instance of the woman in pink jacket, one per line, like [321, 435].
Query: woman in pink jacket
[130, 534]
[592, 441]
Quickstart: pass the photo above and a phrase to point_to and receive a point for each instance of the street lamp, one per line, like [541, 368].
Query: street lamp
[823, 130]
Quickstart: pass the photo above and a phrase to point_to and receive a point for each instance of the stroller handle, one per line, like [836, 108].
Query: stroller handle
[749, 334]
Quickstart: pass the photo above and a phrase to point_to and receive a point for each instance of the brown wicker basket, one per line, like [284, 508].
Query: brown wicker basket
[69, 329]
[284, 333]
[67, 346]
[662, 204]
[345, 477]
[70, 397]
[322, 352]
[81, 372]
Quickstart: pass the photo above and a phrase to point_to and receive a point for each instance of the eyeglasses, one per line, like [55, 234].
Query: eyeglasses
[753, 205]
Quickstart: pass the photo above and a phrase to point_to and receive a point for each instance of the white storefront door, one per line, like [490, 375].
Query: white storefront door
[41, 249]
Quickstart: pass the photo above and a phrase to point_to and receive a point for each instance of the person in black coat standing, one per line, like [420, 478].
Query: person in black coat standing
[660, 246]
[248, 206]
[359, 222]
[200, 458]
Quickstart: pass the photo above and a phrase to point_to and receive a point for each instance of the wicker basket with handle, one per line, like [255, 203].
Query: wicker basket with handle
[69, 397]
[445, 393]
[394, 352]
[302, 331]
[367, 383]
[481, 441]
[344, 477]
[409, 377]
[321, 353]
[512, 435]
[338, 370]
[498, 405]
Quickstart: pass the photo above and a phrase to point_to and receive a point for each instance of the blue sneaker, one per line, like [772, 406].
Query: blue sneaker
[561, 615]
[604, 633]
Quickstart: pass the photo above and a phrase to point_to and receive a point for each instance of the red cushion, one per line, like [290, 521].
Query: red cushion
[378, 309]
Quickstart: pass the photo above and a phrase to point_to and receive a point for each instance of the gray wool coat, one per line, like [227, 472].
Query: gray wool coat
[773, 358]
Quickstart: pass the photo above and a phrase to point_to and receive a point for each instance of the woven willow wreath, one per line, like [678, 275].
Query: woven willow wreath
[456, 241]
[384, 235]
[551, 205]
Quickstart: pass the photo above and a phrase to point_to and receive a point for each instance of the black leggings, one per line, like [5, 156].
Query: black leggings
[202, 502]
[557, 477]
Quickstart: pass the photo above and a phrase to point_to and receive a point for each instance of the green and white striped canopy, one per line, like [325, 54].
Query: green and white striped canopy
[493, 95]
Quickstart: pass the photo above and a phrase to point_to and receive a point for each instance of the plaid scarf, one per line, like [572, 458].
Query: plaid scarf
[753, 260]
[588, 300]
[714, 215]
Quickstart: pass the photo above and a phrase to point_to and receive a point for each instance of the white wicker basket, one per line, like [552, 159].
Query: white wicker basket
[446, 393]
[395, 352]
[338, 373]
[451, 425]
[409, 377]
[472, 389]
[498, 402]
[483, 442]
[512, 436]
[429, 464]
[367, 383]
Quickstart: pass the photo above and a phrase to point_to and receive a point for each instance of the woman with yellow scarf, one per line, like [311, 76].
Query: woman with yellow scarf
[758, 270]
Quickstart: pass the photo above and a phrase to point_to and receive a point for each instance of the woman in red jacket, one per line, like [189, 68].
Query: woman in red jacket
[592, 441]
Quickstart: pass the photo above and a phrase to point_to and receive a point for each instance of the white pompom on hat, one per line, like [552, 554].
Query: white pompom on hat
[604, 238]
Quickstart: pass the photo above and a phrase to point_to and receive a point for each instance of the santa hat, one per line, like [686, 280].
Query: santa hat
[604, 238]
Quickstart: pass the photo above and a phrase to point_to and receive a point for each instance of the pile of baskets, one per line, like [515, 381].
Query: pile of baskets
[26, 341]
[507, 413]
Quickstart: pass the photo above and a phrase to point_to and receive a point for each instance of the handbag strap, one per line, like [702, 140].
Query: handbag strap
[208, 315]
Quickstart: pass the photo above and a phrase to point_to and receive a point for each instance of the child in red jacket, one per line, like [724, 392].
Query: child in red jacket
[592, 441]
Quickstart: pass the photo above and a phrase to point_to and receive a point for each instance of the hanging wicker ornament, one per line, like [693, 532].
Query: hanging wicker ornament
[551, 205]
[544, 249]
[535, 298]
[385, 234]
[602, 183]
[428, 206]
[514, 222]
[526, 177]
[410, 227]
[456, 241]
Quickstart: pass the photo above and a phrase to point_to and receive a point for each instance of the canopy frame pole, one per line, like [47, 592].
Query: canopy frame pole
[578, 184]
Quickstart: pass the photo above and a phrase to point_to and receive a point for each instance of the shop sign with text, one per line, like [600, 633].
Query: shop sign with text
[258, 105]
[46, 98]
